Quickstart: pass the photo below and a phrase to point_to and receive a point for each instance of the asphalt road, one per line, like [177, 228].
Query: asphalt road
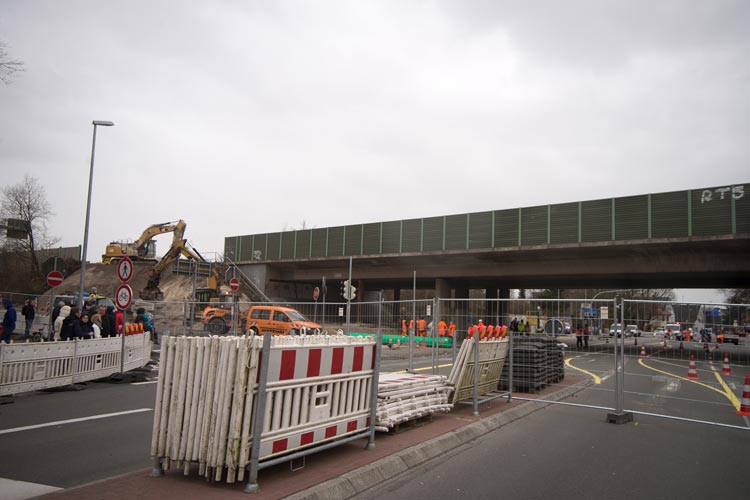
[564, 452]
[71, 452]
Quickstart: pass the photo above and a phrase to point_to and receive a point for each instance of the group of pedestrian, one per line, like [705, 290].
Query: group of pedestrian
[520, 326]
[72, 322]
[582, 335]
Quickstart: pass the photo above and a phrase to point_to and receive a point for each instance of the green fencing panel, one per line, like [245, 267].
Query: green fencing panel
[480, 230]
[534, 225]
[287, 245]
[631, 218]
[319, 242]
[273, 246]
[741, 195]
[304, 238]
[711, 211]
[230, 247]
[411, 236]
[596, 220]
[246, 248]
[506, 228]
[392, 236]
[259, 247]
[371, 238]
[563, 223]
[433, 234]
[336, 241]
[353, 240]
[669, 215]
[455, 232]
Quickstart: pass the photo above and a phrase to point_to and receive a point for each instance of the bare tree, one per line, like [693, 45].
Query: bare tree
[27, 202]
[8, 66]
[736, 295]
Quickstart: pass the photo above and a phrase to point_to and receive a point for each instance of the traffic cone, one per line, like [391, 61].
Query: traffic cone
[726, 369]
[398, 343]
[643, 351]
[745, 404]
[664, 346]
[692, 373]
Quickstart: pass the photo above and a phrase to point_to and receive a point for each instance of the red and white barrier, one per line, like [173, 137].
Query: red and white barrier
[745, 403]
[317, 391]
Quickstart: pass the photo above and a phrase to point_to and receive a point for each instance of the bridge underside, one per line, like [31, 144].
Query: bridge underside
[694, 262]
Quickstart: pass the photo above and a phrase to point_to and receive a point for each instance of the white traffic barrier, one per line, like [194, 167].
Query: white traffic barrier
[492, 354]
[317, 391]
[33, 366]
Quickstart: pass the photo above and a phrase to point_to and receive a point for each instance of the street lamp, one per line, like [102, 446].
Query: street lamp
[102, 123]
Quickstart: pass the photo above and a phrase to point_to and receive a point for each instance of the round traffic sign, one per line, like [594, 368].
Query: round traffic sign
[234, 284]
[55, 278]
[316, 293]
[125, 269]
[123, 296]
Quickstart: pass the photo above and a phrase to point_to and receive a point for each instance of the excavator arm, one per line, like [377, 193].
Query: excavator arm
[148, 234]
[152, 291]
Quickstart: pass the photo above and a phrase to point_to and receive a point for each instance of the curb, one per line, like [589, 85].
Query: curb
[374, 474]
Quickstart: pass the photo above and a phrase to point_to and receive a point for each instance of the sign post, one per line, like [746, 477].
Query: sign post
[54, 279]
[316, 294]
[123, 298]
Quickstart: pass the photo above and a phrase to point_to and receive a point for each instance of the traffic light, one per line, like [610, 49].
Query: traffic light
[344, 287]
[352, 292]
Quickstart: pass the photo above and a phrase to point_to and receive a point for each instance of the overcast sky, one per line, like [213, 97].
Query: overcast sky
[245, 117]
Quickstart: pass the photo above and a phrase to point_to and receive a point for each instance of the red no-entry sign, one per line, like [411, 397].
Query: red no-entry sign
[234, 284]
[55, 278]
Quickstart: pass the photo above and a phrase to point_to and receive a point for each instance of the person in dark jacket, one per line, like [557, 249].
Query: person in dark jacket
[9, 321]
[108, 323]
[68, 330]
[84, 330]
[28, 311]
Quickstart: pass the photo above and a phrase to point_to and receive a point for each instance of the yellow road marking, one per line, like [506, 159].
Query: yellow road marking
[596, 378]
[732, 399]
[730, 395]
[430, 368]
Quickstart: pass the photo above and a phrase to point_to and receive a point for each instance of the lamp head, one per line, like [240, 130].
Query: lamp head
[103, 123]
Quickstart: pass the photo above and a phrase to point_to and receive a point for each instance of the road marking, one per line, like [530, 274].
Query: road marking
[18, 490]
[73, 420]
[597, 379]
[726, 394]
[430, 368]
[732, 398]
[144, 383]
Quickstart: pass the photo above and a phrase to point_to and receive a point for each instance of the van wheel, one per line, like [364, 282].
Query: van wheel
[217, 326]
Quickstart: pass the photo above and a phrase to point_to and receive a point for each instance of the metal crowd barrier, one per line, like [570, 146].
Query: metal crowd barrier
[32, 366]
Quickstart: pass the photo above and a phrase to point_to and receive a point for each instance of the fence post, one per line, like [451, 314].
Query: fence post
[375, 377]
[476, 372]
[620, 416]
[259, 416]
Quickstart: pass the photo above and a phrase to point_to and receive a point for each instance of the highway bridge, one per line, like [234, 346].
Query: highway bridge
[698, 238]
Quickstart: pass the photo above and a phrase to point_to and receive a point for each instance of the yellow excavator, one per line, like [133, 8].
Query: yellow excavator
[144, 248]
[179, 248]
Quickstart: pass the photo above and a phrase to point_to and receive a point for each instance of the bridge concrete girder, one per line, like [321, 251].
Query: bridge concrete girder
[694, 262]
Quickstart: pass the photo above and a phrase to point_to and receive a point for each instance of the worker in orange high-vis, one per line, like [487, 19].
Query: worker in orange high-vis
[442, 328]
[403, 328]
[451, 329]
[421, 327]
[411, 326]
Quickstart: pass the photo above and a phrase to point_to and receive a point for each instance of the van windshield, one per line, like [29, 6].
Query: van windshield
[296, 316]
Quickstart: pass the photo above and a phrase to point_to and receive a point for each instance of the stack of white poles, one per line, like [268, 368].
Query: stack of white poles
[405, 396]
[203, 405]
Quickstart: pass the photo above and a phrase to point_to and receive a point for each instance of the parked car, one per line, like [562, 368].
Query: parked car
[659, 332]
[673, 331]
[615, 328]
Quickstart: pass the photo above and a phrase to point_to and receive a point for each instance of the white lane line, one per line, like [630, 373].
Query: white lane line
[144, 383]
[20, 490]
[73, 420]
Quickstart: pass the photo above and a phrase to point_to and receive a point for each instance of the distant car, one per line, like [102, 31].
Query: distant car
[659, 332]
[632, 331]
[615, 328]
[674, 332]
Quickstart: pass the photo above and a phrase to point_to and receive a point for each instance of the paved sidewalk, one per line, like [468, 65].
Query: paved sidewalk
[335, 473]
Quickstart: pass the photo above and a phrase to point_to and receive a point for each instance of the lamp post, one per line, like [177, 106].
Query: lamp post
[102, 123]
